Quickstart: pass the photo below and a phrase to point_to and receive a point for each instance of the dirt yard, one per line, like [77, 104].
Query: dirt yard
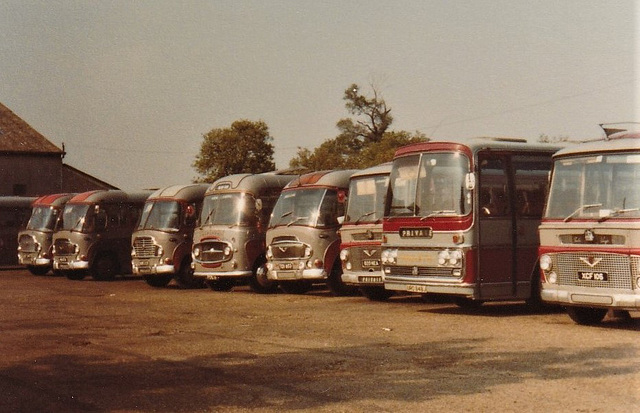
[124, 346]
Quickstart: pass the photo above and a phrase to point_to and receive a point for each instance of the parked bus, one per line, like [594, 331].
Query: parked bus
[95, 235]
[302, 239]
[14, 215]
[229, 245]
[161, 242]
[361, 232]
[461, 220]
[590, 232]
[35, 241]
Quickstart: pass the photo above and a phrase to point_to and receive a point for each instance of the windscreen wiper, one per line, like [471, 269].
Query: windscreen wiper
[579, 210]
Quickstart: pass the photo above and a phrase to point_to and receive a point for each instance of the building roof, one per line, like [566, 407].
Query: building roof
[17, 136]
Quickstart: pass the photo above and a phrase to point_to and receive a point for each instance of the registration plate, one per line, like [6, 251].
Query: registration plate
[370, 263]
[63, 259]
[286, 266]
[416, 288]
[593, 276]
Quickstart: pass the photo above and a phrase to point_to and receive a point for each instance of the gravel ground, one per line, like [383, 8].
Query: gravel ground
[124, 346]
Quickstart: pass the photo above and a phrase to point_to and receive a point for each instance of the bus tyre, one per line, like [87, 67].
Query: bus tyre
[586, 315]
[220, 285]
[259, 282]
[376, 293]
[158, 280]
[295, 287]
[35, 270]
[104, 268]
[335, 284]
[185, 277]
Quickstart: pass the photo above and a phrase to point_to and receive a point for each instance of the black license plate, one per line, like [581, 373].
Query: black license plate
[593, 276]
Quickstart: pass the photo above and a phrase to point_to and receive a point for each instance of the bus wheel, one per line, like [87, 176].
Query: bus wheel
[74, 275]
[35, 270]
[335, 284]
[586, 315]
[185, 277]
[376, 293]
[295, 287]
[220, 285]
[104, 268]
[259, 282]
[158, 280]
[467, 303]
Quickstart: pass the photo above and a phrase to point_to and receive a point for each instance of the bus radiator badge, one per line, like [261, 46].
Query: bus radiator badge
[589, 236]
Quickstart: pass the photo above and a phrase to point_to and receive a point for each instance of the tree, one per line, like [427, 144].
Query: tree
[376, 114]
[361, 142]
[244, 147]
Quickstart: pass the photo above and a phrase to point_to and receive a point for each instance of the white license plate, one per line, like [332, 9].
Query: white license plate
[416, 288]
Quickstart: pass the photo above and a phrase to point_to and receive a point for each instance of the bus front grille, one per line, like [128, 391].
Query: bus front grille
[620, 269]
[64, 247]
[27, 243]
[144, 247]
[419, 272]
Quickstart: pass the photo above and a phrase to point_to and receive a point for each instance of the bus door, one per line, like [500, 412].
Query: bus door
[497, 238]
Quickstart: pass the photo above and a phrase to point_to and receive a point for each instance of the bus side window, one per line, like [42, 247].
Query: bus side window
[493, 195]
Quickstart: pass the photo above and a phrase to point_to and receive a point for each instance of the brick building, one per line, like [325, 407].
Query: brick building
[30, 165]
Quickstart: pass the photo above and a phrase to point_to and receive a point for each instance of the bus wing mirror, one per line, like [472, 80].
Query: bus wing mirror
[470, 181]
[258, 205]
[340, 220]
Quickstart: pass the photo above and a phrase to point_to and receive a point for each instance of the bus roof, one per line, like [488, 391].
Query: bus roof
[332, 178]
[188, 192]
[53, 200]
[474, 145]
[106, 195]
[253, 183]
[615, 143]
[382, 169]
[16, 201]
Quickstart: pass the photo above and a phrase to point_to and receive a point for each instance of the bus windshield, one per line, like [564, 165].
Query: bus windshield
[43, 218]
[229, 209]
[161, 215]
[366, 199]
[77, 217]
[429, 184]
[313, 207]
[596, 187]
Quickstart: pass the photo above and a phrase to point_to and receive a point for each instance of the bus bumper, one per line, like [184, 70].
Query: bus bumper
[363, 278]
[213, 276]
[585, 297]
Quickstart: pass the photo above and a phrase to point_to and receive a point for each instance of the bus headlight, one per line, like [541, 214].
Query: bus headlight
[196, 252]
[269, 253]
[455, 257]
[344, 255]
[389, 256]
[552, 277]
[227, 251]
[443, 257]
[545, 262]
[308, 252]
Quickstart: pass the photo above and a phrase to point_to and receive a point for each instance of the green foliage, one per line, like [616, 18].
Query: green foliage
[245, 147]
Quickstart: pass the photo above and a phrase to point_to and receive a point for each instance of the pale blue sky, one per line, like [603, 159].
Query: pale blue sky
[130, 87]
